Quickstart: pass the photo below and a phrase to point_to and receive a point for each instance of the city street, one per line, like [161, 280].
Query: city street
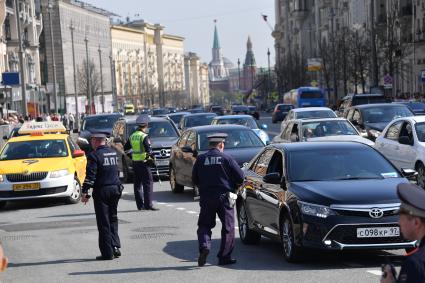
[47, 241]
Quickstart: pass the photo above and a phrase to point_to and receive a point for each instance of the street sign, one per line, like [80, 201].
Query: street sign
[388, 82]
[423, 76]
[10, 78]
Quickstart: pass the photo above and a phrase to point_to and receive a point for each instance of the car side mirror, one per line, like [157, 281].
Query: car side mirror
[272, 178]
[187, 149]
[75, 131]
[78, 153]
[355, 122]
[405, 140]
[5, 137]
[409, 174]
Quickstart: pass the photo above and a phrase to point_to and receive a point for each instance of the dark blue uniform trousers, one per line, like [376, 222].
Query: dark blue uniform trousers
[143, 184]
[105, 206]
[209, 208]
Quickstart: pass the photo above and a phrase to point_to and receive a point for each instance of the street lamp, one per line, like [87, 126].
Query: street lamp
[239, 74]
[269, 80]
[21, 61]
[88, 77]
[52, 46]
[77, 114]
[101, 79]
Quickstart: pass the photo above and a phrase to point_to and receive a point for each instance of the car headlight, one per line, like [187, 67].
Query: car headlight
[315, 210]
[59, 173]
[1, 178]
[373, 133]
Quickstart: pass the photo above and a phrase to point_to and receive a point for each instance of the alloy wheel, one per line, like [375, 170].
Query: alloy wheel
[287, 238]
[76, 190]
[421, 176]
[243, 222]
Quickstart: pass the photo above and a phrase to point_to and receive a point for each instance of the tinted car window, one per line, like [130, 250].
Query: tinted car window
[247, 122]
[157, 129]
[385, 114]
[99, 123]
[355, 163]
[182, 140]
[316, 114]
[34, 149]
[194, 121]
[394, 131]
[420, 131]
[260, 167]
[284, 108]
[176, 118]
[235, 139]
[327, 128]
[360, 100]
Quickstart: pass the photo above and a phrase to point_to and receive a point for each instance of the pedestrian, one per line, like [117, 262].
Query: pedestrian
[217, 176]
[3, 260]
[142, 156]
[412, 226]
[71, 120]
[103, 176]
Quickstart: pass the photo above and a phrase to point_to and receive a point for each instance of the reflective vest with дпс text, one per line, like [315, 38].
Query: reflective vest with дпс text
[136, 141]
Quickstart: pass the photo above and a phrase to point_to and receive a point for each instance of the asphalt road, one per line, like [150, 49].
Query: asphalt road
[47, 241]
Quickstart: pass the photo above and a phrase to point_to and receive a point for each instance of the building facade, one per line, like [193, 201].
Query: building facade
[149, 65]
[81, 32]
[197, 80]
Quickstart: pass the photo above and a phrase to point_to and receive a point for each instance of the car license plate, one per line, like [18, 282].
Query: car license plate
[26, 187]
[378, 232]
[162, 162]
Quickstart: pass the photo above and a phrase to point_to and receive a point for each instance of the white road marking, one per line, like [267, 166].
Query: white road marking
[161, 202]
[191, 212]
[375, 272]
[181, 208]
[126, 193]
[170, 205]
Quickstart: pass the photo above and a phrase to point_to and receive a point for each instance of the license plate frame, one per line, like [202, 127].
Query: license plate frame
[26, 187]
[162, 162]
[378, 232]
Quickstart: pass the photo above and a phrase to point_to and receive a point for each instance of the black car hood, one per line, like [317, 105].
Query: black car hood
[242, 155]
[163, 142]
[376, 126]
[371, 191]
[86, 133]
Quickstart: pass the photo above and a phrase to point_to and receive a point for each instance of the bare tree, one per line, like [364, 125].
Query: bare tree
[325, 54]
[93, 76]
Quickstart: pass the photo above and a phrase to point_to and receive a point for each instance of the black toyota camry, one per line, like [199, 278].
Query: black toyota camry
[326, 195]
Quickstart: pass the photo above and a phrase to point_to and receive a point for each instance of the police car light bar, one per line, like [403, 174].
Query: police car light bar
[42, 127]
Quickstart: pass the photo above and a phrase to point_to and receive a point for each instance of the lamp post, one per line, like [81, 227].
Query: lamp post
[269, 80]
[52, 46]
[113, 86]
[239, 74]
[21, 62]
[101, 79]
[89, 94]
[77, 114]
[375, 80]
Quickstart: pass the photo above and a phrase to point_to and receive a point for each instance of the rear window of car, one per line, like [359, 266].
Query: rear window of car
[316, 114]
[235, 139]
[360, 100]
[285, 107]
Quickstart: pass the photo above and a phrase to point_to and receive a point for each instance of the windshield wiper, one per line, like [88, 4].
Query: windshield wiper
[358, 178]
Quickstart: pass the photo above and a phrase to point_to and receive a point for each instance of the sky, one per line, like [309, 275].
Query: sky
[194, 20]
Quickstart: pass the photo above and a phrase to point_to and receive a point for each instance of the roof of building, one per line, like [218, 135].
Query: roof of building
[216, 44]
[91, 8]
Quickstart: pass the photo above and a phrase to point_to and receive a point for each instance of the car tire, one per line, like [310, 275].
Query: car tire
[3, 204]
[76, 192]
[175, 187]
[247, 235]
[128, 177]
[420, 179]
[291, 252]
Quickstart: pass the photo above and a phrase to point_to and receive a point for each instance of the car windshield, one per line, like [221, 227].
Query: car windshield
[341, 164]
[160, 111]
[157, 129]
[311, 94]
[360, 100]
[201, 120]
[420, 131]
[247, 122]
[385, 114]
[34, 149]
[327, 128]
[236, 138]
[99, 123]
[315, 114]
[285, 107]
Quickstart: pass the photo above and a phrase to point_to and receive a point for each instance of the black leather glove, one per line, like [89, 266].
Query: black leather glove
[85, 189]
[150, 162]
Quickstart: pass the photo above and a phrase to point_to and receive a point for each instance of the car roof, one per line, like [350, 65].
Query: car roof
[200, 114]
[319, 120]
[363, 106]
[301, 146]
[217, 128]
[232, 116]
[306, 109]
[42, 137]
[102, 115]
[413, 119]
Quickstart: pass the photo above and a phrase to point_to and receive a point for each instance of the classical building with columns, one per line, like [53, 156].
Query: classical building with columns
[149, 65]
[197, 80]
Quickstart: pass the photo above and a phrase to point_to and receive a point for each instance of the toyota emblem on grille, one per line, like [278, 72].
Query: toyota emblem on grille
[376, 213]
[163, 152]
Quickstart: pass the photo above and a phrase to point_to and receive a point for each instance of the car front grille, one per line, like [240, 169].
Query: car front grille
[347, 234]
[162, 153]
[36, 176]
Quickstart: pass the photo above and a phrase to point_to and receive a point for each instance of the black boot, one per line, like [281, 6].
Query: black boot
[117, 252]
[202, 259]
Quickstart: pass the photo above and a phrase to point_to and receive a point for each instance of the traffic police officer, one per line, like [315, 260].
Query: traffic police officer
[217, 176]
[103, 176]
[142, 156]
[412, 226]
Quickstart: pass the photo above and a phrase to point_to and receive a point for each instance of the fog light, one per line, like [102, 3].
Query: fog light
[328, 242]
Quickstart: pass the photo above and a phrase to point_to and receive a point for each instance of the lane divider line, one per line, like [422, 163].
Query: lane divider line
[191, 212]
[181, 208]
[375, 272]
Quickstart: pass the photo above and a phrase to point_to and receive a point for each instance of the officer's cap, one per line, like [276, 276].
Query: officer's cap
[217, 138]
[143, 119]
[98, 136]
[412, 199]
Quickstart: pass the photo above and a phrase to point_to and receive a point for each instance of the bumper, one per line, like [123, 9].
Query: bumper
[339, 233]
[163, 168]
[49, 188]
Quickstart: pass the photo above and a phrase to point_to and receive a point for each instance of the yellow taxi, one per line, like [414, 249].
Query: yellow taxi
[42, 163]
